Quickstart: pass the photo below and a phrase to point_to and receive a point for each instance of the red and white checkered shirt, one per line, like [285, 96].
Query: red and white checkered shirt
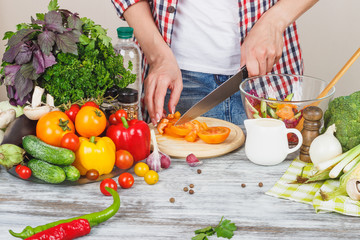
[250, 11]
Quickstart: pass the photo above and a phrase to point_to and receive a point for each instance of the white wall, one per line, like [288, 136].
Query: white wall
[329, 33]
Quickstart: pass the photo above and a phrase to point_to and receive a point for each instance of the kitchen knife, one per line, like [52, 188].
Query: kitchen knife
[225, 90]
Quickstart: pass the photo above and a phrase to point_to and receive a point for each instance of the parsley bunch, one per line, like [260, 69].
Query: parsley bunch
[224, 229]
[71, 57]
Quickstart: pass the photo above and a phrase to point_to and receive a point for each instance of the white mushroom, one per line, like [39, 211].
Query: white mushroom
[35, 111]
[6, 117]
[51, 103]
[352, 189]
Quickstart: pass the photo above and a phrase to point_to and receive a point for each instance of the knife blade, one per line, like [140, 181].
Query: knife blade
[222, 92]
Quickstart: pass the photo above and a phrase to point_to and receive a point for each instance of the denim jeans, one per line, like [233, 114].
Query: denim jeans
[197, 85]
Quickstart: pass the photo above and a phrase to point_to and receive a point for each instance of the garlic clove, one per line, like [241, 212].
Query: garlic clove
[193, 161]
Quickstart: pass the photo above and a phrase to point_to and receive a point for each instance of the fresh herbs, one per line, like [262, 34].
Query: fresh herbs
[71, 58]
[224, 229]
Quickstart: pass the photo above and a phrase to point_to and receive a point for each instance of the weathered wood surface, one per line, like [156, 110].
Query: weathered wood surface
[146, 212]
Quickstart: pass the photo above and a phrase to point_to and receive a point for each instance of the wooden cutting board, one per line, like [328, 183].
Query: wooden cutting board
[180, 148]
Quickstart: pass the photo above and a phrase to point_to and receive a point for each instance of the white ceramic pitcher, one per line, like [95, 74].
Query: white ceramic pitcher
[266, 141]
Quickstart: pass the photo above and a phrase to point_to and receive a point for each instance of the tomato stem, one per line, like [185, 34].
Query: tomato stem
[64, 125]
[124, 122]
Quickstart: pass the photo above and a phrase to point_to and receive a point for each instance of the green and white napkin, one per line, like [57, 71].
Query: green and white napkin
[310, 193]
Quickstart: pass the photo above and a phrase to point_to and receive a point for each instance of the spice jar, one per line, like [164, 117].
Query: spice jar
[128, 100]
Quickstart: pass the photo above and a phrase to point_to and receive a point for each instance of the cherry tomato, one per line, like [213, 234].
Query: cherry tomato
[151, 177]
[18, 167]
[107, 182]
[214, 134]
[126, 180]
[120, 113]
[53, 126]
[24, 172]
[123, 159]
[91, 104]
[90, 121]
[141, 169]
[70, 141]
[72, 112]
[112, 119]
[92, 174]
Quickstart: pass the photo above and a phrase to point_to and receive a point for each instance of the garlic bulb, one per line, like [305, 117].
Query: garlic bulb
[157, 160]
[325, 146]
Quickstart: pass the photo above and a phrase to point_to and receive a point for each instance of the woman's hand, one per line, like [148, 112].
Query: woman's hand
[164, 73]
[262, 47]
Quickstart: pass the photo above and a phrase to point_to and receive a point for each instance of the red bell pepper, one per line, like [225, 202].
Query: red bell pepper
[133, 136]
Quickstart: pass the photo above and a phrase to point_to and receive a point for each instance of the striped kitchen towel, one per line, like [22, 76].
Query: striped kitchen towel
[310, 193]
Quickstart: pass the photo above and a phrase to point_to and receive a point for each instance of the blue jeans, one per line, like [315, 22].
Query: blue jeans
[197, 85]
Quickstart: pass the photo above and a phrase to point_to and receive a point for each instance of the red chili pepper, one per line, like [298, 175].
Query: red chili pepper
[64, 231]
[133, 136]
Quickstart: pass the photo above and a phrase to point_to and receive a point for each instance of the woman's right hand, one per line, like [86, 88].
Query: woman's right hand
[164, 73]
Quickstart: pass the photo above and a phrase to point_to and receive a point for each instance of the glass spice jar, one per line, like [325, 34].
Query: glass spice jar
[128, 100]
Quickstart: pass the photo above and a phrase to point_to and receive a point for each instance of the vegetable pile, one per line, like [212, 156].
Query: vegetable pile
[71, 57]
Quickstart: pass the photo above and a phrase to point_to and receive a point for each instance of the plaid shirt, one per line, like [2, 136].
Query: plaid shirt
[250, 11]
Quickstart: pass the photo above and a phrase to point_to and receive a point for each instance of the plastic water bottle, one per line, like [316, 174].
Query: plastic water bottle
[130, 52]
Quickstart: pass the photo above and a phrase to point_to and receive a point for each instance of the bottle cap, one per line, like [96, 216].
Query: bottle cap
[125, 32]
[128, 95]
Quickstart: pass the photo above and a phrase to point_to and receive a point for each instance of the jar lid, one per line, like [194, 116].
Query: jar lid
[128, 95]
[125, 32]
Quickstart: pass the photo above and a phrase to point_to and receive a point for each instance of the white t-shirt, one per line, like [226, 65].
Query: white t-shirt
[206, 36]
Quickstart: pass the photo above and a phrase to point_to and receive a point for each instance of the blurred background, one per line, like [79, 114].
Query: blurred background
[329, 33]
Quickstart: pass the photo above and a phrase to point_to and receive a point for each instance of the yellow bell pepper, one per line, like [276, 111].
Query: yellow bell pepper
[95, 153]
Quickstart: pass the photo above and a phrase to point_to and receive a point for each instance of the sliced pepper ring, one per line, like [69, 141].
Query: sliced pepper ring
[214, 134]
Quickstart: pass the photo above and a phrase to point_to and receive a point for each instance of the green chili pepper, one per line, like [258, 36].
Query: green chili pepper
[93, 218]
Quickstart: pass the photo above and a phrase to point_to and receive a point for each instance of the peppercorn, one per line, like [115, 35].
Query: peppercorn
[243, 185]
[199, 171]
[261, 184]
[185, 189]
[172, 200]
[191, 191]
[191, 185]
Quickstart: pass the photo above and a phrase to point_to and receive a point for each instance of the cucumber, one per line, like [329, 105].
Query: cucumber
[46, 152]
[72, 173]
[46, 171]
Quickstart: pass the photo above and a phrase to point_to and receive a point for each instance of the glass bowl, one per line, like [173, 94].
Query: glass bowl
[283, 97]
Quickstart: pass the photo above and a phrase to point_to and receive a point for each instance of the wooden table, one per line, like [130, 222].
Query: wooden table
[146, 212]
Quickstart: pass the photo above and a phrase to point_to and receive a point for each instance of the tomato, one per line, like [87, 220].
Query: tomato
[123, 159]
[23, 171]
[151, 177]
[72, 112]
[214, 134]
[107, 182]
[18, 167]
[112, 119]
[53, 126]
[126, 180]
[90, 121]
[91, 104]
[92, 174]
[120, 113]
[70, 141]
[141, 169]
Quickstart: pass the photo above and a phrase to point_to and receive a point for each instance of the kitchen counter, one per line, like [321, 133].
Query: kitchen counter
[146, 212]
